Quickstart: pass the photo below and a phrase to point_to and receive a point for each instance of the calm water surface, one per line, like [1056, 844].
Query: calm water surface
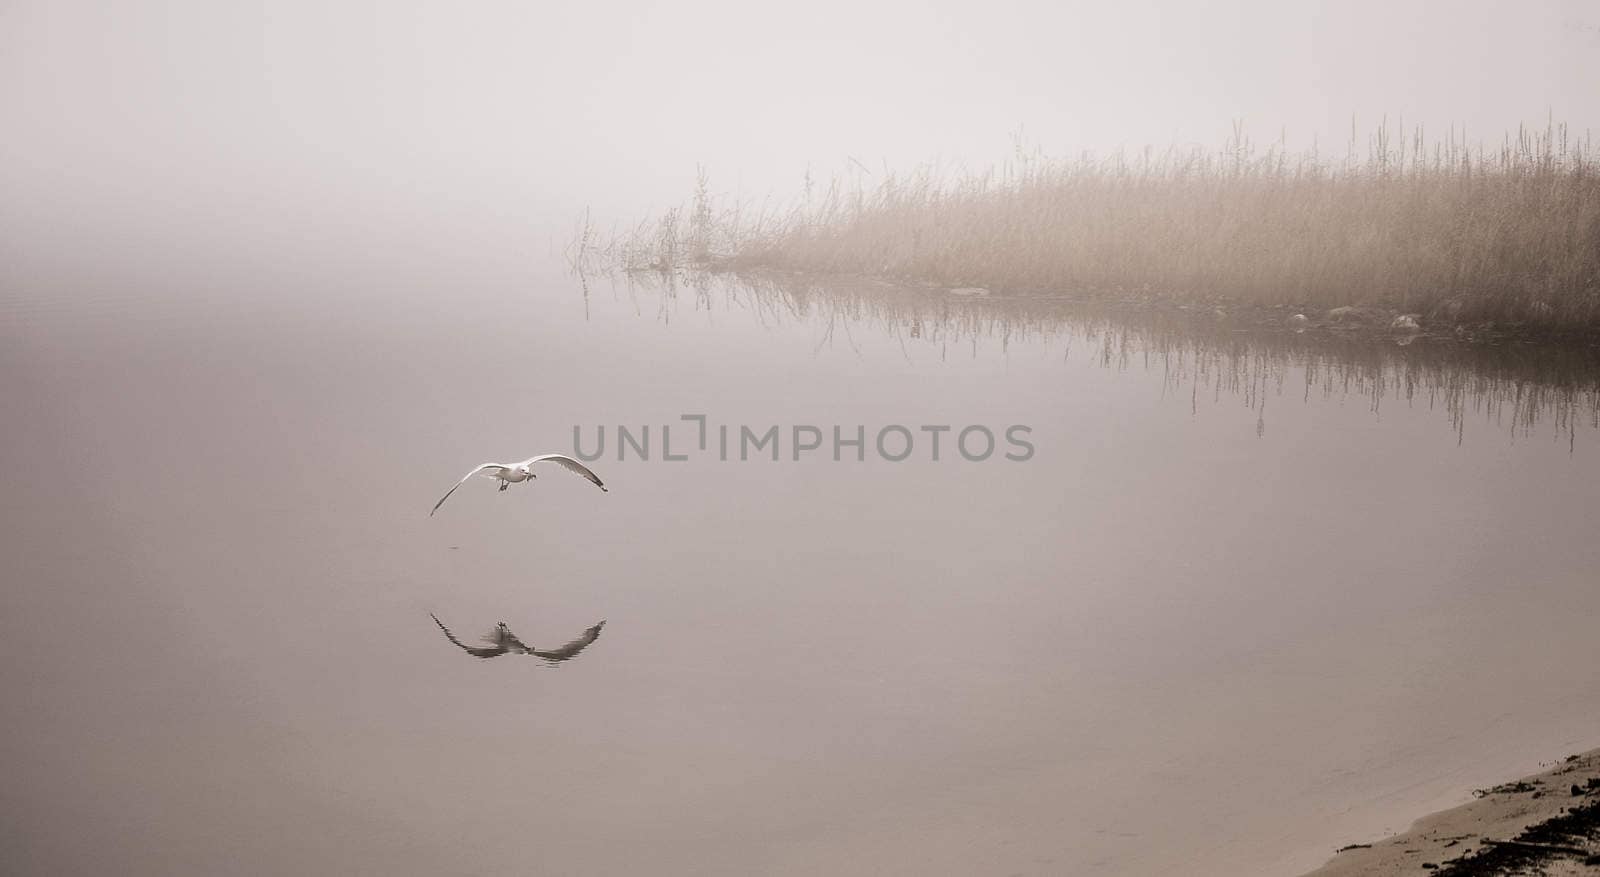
[1253, 597]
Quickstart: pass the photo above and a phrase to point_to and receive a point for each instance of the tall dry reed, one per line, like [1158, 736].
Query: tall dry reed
[1457, 233]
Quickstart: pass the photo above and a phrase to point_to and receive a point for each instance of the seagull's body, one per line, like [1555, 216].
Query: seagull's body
[503, 642]
[516, 473]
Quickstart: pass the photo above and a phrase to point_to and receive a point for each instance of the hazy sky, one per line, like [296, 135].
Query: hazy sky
[612, 104]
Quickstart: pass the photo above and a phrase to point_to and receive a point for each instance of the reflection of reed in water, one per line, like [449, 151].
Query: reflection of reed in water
[501, 641]
[1519, 386]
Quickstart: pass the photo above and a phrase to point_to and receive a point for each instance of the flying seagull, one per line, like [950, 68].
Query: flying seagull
[514, 473]
[503, 642]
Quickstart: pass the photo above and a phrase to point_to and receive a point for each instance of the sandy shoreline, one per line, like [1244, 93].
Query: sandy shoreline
[1547, 823]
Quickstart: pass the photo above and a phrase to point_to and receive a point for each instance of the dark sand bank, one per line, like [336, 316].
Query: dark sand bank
[1547, 823]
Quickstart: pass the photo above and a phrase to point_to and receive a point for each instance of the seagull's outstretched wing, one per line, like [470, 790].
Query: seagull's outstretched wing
[495, 652]
[570, 650]
[486, 467]
[570, 465]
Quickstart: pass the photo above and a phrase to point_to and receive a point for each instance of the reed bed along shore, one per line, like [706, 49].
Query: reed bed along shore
[1456, 234]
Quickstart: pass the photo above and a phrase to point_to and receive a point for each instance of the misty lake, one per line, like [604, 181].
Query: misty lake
[1251, 596]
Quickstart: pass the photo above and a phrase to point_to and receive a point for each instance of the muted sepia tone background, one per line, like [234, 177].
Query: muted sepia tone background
[274, 277]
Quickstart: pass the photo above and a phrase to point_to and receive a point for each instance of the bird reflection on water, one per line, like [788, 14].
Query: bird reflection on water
[503, 642]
